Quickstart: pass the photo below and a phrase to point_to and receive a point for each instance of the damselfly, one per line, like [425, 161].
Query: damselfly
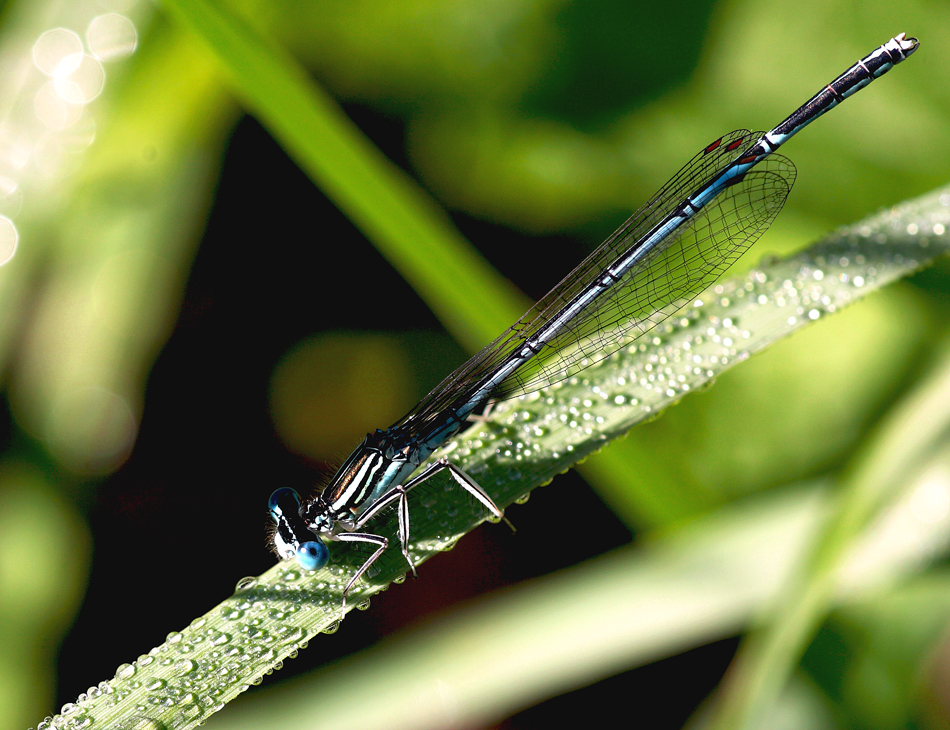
[672, 248]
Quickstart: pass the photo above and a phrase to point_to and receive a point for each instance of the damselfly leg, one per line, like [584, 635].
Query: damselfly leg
[399, 494]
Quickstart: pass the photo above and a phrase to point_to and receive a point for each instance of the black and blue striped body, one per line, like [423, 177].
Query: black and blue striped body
[384, 460]
[723, 170]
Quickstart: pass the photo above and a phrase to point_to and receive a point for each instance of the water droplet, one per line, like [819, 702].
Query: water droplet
[245, 583]
[124, 671]
[189, 712]
[218, 638]
[184, 666]
[79, 721]
[139, 722]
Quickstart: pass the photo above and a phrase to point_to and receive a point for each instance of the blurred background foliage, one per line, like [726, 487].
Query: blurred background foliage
[188, 323]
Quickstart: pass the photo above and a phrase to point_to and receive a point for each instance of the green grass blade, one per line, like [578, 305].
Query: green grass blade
[410, 230]
[525, 444]
[909, 437]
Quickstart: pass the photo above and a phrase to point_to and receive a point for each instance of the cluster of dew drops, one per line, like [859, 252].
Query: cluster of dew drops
[196, 671]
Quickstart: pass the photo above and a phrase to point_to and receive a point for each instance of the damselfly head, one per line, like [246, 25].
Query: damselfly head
[290, 538]
[289, 530]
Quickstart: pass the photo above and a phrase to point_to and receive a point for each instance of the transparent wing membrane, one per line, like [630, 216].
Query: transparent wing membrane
[675, 270]
[673, 273]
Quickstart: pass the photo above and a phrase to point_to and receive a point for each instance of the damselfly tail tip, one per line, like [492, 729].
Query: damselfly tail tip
[907, 45]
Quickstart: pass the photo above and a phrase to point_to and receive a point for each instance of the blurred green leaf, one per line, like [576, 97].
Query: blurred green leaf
[38, 594]
[894, 641]
[912, 435]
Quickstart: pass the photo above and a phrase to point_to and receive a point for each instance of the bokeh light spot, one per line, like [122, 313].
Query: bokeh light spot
[111, 37]
[16, 152]
[330, 390]
[53, 110]
[57, 52]
[82, 85]
[8, 240]
[79, 135]
[91, 430]
[930, 502]
[11, 197]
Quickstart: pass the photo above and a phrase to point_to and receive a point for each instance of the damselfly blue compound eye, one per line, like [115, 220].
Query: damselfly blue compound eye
[282, 502]
[313, 555]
